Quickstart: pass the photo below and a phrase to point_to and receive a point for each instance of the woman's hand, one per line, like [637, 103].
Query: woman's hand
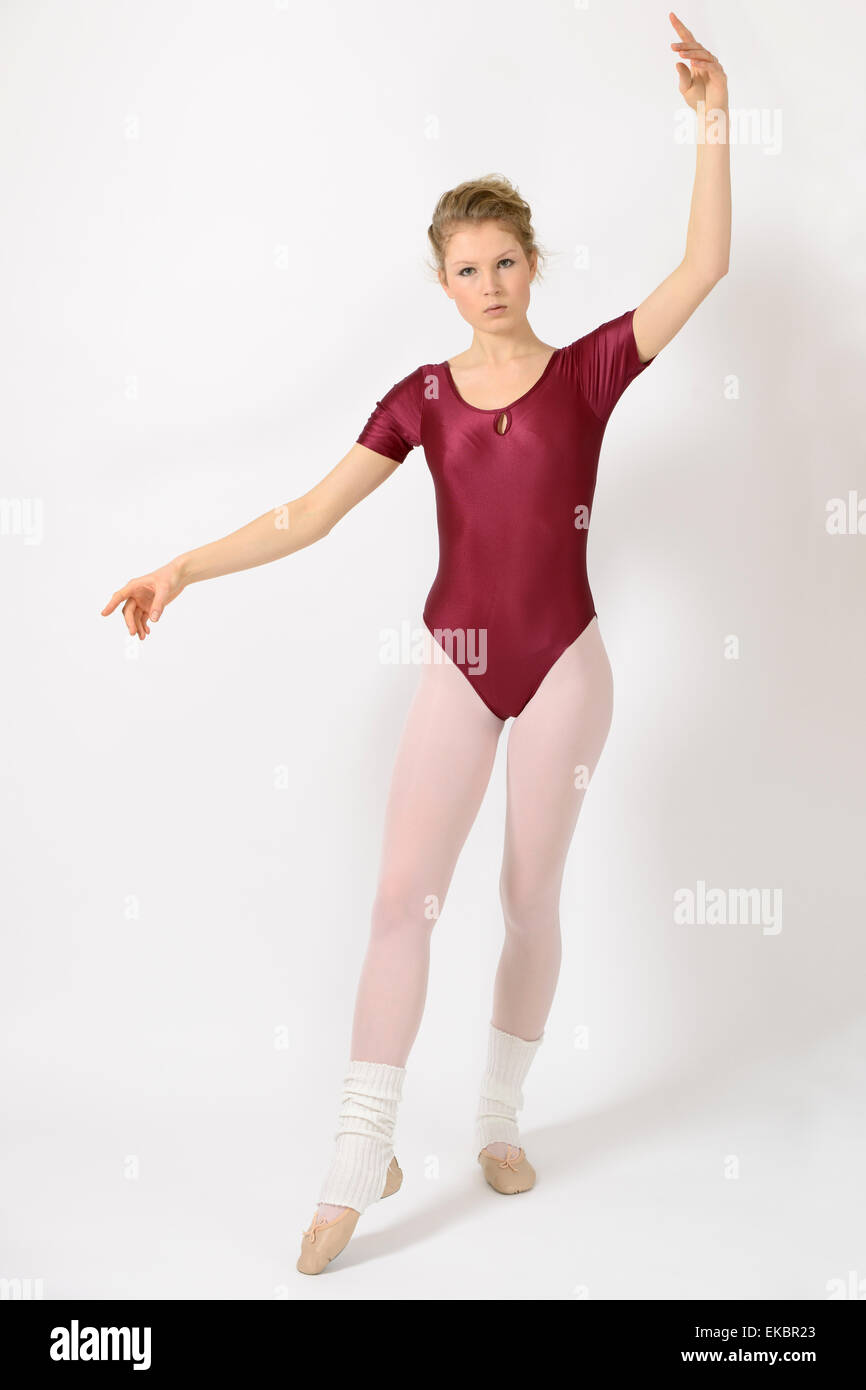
[146, 597]
[707, 81]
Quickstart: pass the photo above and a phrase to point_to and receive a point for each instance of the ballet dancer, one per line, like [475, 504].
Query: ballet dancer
[511, 429]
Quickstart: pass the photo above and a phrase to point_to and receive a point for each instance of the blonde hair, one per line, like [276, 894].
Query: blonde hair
[491, 198]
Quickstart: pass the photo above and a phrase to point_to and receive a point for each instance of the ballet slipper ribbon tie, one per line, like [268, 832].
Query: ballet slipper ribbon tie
[506, 1161]
[314, 1227]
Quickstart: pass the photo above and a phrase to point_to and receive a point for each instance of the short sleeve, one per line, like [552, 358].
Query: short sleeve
[394, 427]
[607, 361]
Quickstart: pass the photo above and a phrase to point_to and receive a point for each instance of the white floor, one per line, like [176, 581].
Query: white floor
[745, 1184]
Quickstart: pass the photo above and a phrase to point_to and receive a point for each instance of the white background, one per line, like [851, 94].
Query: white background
[213, 263]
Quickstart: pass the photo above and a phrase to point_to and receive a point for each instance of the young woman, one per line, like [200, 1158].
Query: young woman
[511, 429]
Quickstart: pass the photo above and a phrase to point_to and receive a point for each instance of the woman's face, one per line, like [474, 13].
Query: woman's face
[485, 266]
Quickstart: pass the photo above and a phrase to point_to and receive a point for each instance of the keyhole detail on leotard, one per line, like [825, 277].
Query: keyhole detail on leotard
[502, 422]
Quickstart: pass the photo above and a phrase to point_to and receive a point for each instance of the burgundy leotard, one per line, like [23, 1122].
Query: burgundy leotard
[514, 490]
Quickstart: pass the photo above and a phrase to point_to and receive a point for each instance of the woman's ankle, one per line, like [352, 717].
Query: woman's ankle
[327, 1212]
[500, 1150]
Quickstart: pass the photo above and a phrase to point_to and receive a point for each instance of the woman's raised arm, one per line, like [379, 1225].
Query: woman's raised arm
[704, 87]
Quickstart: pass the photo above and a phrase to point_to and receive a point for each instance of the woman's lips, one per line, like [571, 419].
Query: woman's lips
[496, 309]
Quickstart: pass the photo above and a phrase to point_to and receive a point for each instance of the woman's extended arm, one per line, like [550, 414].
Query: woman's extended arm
[708, 239]
[276, 533]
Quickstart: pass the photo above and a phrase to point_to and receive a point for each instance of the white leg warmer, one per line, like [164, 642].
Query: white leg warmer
[508, 1061]
[365, 1135]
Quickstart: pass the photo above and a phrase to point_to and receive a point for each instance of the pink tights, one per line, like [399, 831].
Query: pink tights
[443, 765]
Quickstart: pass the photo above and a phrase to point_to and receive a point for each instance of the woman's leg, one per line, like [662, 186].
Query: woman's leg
[442, 769]
[553, 747]
[443, 765]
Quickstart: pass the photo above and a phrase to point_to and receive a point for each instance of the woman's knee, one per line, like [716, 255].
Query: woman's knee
[401, 908]
[529, 906]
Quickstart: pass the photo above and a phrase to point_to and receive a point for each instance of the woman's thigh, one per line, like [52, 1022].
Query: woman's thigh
[554, 746]
[444, 760]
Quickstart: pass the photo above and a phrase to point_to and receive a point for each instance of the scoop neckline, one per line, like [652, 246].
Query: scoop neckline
[497, 410]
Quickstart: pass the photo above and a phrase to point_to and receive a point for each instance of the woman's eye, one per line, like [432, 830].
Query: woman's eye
[506, 260]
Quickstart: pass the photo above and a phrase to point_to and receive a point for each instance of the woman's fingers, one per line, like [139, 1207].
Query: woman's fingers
[160, 595]
[128, 611]
[145, 597]
[680, 27]
[705, 66]
[115, 600]
[142, 599]
[693, 52]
